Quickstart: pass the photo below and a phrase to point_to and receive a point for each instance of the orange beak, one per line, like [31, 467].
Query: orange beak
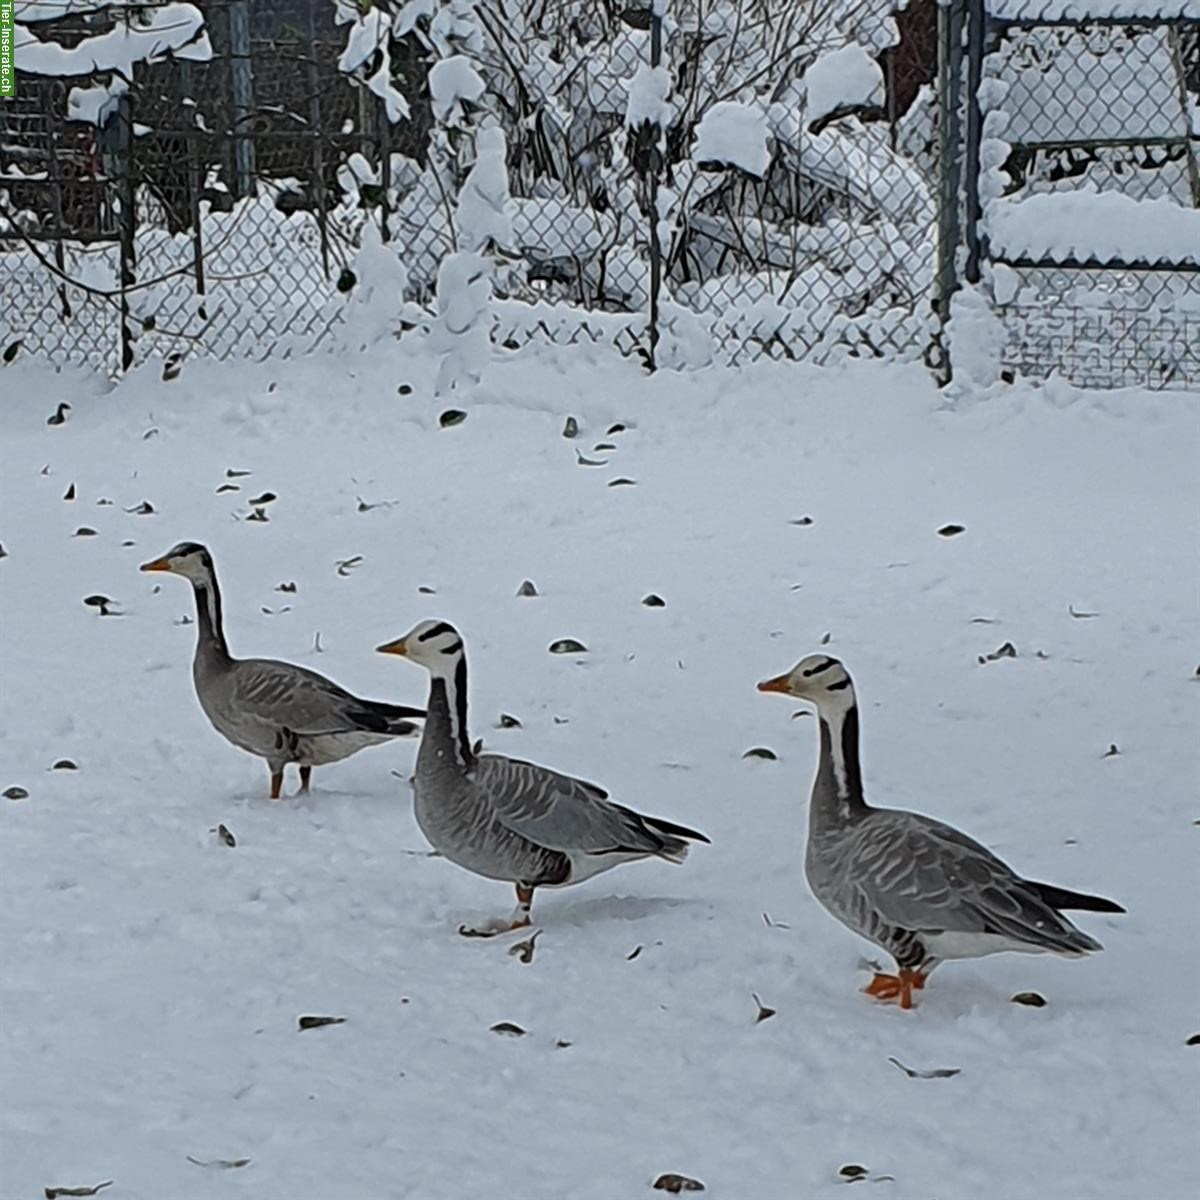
[778, 684]
[156, 564]
[396, 647]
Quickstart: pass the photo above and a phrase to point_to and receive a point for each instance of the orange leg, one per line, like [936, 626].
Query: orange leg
[519, 920]
[899, 987]
[305, 779]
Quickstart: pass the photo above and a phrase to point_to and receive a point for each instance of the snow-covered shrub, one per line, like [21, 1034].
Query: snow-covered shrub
[761, 120]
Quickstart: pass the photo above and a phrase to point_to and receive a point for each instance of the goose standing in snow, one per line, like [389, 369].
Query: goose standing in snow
[917, 888]
[279, 711]
[506, 819]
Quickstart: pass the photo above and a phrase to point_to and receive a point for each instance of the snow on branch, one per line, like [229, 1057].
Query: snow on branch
[735, 135]
[369, 43]
[844, 79]
[173, 30]
[144, 35]
[454, 84]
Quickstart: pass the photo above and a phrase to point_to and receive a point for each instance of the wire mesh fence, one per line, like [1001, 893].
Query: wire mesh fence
[1085, 168]
[723, 183]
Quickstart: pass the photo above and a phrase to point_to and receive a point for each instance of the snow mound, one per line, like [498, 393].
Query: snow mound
[736, 135]
[845, 78]
[648, 92]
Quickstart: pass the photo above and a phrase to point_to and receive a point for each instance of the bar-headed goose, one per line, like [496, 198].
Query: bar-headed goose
[277, 710]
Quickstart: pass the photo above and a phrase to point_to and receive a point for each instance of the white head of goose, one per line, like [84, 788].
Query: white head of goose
[506, 819]
[919, 889]
[281, 712]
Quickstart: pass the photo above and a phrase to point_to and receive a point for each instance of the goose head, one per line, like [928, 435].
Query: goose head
[435, 645]
[819, 679]
[189, 559]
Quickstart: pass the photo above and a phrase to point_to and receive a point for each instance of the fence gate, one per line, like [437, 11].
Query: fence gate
[1081, 208]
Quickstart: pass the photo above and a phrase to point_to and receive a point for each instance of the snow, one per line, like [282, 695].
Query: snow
[370, 34]
[485, 209]
[1080, 84]
[153, 976]
[1082, 10]
[453, 81]
[96, 102]
[845, 78]
[648, 91]
[1106, 226]
[30, 11]
[734, 134]
[174, 29]
[461, 330]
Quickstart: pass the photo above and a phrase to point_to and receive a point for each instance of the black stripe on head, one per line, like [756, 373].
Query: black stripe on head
[452, 649]
[436, 631]
[820, 667]
[837, 687]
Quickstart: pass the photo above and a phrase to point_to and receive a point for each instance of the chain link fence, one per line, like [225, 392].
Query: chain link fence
[723, 183]
[1083, 130]
[189, 206]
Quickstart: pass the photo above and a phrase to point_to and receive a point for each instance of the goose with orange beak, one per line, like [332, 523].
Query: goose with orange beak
[277, 710]
[507, 819]
[917, 888]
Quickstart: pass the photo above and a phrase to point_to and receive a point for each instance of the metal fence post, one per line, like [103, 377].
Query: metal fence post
[976, 29]
[241, 82]
[384, 130]
[194, 186]
[60, 226]
[127, 195]
[1175, 42]
[950, 55]
[314, 123]
[655, 164]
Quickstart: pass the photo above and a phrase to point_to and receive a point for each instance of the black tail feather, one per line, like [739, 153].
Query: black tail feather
[378, 717]
[669, 827]
[1061, 898]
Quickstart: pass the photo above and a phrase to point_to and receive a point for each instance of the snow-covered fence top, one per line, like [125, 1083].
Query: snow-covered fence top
[1102, 227]
[1082, 11]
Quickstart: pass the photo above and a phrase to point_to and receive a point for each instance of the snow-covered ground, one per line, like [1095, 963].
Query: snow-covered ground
[153, 976]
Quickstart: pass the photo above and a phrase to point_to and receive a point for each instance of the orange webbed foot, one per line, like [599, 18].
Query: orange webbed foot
[899, 987]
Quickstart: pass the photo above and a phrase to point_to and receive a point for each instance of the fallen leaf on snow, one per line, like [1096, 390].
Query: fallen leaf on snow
[1032, 999]
[764, 1013]
[52, 1193]
[507, 1029]
[932, 1073]
[319, 1022]
[567, 646]
[524, 950]
[761, 752]
[220, 1164]
[675, 1184]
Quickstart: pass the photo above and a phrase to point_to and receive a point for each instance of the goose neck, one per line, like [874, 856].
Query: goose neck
[446, 736]
[837, 795]
[210, 623]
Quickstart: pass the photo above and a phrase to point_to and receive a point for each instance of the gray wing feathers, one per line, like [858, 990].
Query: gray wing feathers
[921, 875]
[559, 812]
[284, 695]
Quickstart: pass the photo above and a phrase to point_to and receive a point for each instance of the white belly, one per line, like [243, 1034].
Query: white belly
[951, 945]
